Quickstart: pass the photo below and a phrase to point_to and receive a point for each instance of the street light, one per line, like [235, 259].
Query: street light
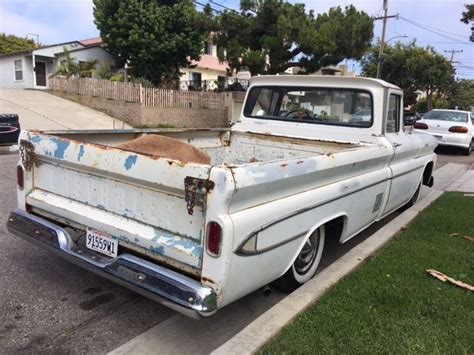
[401, 36]
[380, 58]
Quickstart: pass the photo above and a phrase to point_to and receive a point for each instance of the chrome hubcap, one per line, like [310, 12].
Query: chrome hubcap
[308, 254]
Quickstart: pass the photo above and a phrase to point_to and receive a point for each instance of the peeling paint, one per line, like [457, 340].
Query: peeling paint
[130, 161]
[36, 139]
[81, 152]
[62, 145]
[158, 250]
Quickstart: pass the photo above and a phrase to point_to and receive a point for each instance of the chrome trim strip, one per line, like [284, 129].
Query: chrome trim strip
[239, 250]
[164, 286]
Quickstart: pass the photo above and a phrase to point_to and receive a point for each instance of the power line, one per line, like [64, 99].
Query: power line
[230, 13]
[464, 66]
[440, 30]
[433, 31]
[230, 9]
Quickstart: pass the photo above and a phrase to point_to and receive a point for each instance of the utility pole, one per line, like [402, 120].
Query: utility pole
[382, 41]
[37, 37]
[452, 54]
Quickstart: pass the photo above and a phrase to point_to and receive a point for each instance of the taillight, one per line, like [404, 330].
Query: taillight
[20, 177]
[420, 125]
[458, 129]
[214, 238]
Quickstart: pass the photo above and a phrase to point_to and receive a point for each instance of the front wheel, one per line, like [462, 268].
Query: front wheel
[306, 263]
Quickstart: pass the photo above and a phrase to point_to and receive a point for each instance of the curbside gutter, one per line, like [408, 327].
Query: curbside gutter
[256, 334]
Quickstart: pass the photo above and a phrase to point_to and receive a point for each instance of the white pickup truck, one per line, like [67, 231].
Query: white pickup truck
[310, 158]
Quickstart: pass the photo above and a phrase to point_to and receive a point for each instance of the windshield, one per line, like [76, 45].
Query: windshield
[446, 116]
[345, 107]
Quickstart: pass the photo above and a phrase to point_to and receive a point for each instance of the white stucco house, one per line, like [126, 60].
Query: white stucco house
[207, 72]
[30, 69]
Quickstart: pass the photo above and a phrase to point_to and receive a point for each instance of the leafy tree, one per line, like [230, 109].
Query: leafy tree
[468, 15]
[462, 94]
[155, 37]
[11, 44]
[412, 68]
[269, 36]
[71, 68]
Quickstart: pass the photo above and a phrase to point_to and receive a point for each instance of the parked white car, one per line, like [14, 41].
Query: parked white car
[295, 170]
[449, 127]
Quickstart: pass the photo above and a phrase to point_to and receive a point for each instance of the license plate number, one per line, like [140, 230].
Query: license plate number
[102, 242]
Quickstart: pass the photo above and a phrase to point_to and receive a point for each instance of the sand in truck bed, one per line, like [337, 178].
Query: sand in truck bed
[166, 147]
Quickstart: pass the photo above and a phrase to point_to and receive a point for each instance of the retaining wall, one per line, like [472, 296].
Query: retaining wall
[138, 115]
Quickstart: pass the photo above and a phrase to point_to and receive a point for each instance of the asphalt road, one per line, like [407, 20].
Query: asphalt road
[50, 306]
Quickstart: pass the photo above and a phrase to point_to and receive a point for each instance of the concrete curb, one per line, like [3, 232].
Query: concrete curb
[255, 335]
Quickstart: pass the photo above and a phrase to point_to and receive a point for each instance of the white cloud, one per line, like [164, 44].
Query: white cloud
[55, 21]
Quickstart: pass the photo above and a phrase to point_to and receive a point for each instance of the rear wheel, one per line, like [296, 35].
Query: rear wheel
[306, 263]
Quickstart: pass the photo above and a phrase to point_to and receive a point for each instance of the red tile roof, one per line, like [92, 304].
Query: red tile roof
[209, 62]
[91, 41]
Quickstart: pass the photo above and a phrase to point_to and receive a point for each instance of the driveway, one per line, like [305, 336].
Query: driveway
[40, 110]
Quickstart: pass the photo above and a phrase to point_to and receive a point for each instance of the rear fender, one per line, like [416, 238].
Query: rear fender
[320, 224]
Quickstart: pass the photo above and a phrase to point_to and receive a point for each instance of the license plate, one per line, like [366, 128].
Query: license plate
[102, 242]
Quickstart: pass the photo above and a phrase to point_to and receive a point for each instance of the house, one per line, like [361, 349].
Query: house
[339, 70]
[30, 69]
[208, 72]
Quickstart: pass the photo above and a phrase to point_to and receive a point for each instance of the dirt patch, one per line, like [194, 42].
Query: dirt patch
[166, 147]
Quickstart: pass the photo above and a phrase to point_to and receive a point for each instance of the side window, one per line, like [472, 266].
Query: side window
[18, 70]
[393, 115]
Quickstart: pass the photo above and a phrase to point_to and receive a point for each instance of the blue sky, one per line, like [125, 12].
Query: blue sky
[59, 21]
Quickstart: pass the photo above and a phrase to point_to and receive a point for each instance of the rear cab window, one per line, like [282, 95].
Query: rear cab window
[332, 106]
[392, 124]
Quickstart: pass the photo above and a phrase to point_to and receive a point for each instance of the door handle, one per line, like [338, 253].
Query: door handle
[396, 145]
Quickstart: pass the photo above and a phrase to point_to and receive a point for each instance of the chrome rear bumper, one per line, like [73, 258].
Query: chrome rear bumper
[164, 286]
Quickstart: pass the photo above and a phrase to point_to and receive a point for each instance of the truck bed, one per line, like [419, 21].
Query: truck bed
[225, 148]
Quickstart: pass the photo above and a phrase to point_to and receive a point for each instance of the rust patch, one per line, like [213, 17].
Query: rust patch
[300, 162]
[232, 172]
[178, 163]
[205, 279]
[301, 141]
[284, 165]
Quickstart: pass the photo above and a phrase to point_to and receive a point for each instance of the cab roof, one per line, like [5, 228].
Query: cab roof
[321, 80]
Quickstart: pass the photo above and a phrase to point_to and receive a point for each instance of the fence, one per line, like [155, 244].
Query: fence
[136, 93]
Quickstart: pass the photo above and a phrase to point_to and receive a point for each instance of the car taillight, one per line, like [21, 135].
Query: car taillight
[420, 125]
[458, 129]
[20, 177]
[214, 238]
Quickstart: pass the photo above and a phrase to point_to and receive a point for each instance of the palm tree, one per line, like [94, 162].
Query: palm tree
[70, 67]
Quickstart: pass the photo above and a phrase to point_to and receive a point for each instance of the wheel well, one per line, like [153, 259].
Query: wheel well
[334, 228]
[427, 173]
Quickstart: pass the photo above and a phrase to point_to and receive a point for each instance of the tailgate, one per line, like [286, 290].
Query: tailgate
[136, 198]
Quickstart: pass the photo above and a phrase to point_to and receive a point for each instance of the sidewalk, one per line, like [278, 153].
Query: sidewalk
[268, 325]
[40, 110]
[465, 183]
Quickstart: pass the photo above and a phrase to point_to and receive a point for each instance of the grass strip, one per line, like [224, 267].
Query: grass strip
[391, 305]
